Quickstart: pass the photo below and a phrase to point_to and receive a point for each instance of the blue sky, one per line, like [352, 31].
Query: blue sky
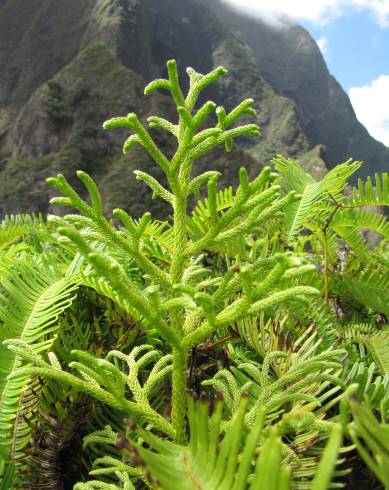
[354, 38]
[356, 48]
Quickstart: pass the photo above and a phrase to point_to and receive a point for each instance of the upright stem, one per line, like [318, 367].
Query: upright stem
[180, 239]
[325, 266]
[180, 362]
[325, 244]
[180, 355]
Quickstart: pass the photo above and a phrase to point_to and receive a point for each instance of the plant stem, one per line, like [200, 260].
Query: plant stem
[180, 355]
[325, 266]
[180, 361]
[180, 240]
[325, 244]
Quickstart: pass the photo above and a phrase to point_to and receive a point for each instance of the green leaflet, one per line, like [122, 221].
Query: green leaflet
[323, 476]
[371, 386]
[349, 223]
[7, 477]
[378, 345]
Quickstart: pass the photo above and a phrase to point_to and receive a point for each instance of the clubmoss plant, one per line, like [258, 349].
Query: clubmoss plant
[184, 302]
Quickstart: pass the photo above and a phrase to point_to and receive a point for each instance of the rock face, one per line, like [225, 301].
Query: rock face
[65, 67]
[291, 62]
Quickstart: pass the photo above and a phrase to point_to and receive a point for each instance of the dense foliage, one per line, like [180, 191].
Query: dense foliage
[241, 345]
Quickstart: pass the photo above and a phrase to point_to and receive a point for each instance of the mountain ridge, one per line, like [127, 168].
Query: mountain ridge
[64, 69]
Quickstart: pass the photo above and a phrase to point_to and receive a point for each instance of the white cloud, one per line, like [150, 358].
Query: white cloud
[323, 45]
[316, 11]
[371, 105]
[380, 9]
[274, 10]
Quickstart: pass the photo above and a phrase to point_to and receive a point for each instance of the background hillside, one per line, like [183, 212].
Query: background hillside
[65, 67]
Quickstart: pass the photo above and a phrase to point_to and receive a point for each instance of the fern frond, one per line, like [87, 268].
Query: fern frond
[300, 407]
[349, 224]
[159, 233]
[198, 224]
[369, 288]
[293, 175]
[370, 193]
[103, 287]
[227, 460]
[21, 227]
[376, 340]
[378, 344]
[354, 239]
[312, 192]
[302, 210]
[358, 218]
[35, 295]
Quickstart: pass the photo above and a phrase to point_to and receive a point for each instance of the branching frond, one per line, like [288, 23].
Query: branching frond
[300, 381]
[358, 218]
[105, 380]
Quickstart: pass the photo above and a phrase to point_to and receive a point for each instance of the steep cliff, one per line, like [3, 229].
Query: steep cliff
[67, 66]
[291, 62]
